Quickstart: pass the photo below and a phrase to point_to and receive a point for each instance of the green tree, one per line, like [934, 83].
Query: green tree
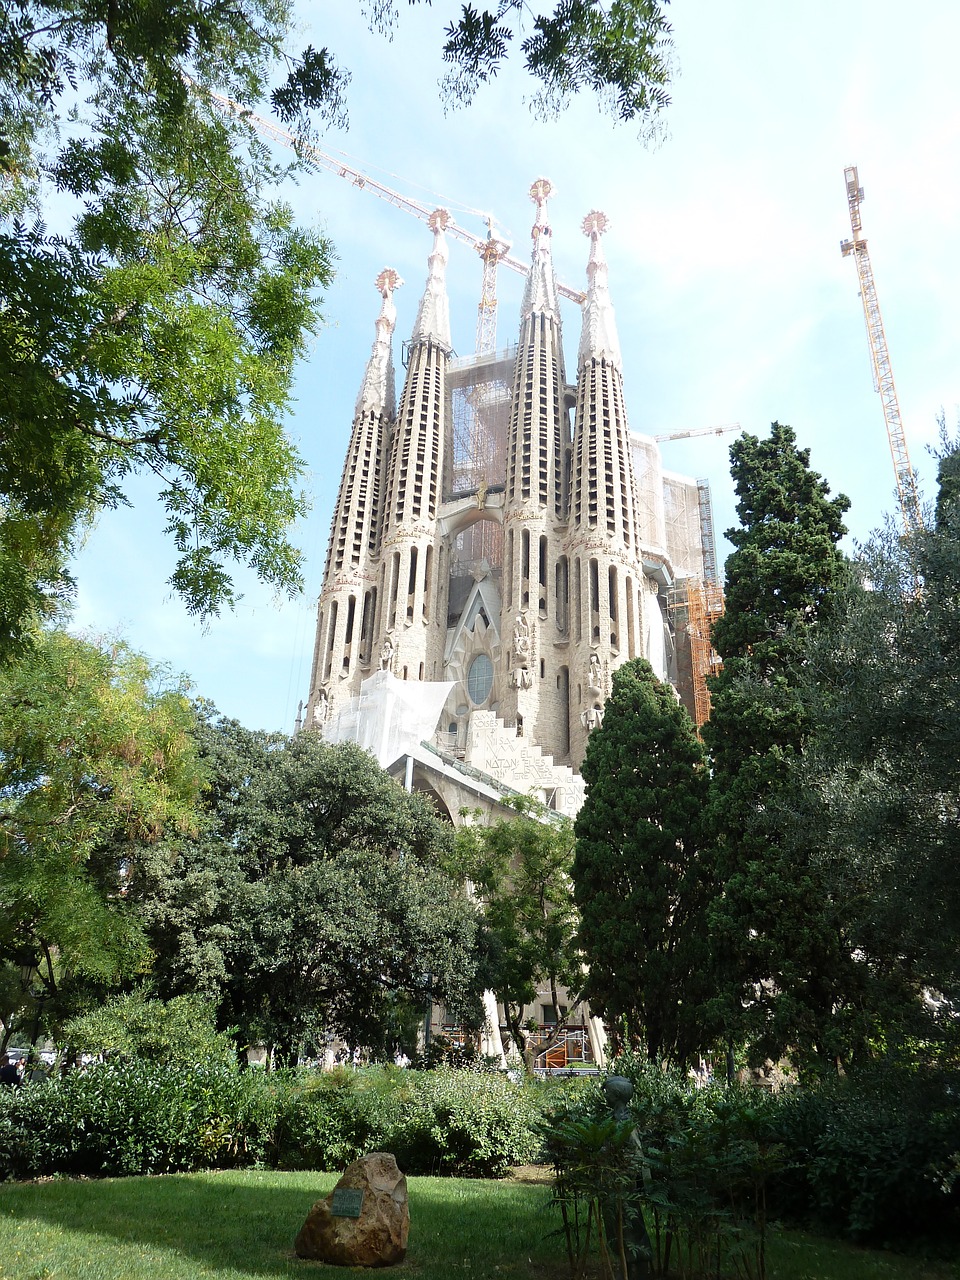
[313, 900]
[520, 869]
[138, 1028]
[878, 783]
[97, 760]
[619, 51]
[641, 880]
[157, 331]
[781, 955]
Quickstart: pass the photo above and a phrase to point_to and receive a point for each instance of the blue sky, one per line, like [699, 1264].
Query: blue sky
[733, 301]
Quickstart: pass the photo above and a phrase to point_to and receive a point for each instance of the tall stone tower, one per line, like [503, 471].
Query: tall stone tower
[533, 616]
[490, 556]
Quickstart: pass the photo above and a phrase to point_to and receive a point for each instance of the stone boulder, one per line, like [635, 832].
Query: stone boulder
[378, 1237]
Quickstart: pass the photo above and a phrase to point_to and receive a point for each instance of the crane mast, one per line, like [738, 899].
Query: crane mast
[880, 358]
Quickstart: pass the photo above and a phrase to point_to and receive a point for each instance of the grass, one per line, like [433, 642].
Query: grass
[241, 1225]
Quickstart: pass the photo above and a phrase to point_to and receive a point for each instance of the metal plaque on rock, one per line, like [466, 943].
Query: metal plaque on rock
[346, 1203]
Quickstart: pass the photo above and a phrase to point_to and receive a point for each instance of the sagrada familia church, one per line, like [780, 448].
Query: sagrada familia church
[500, 544]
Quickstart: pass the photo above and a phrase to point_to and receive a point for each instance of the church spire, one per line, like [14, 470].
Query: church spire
[540, 295]
[433, 316]
[598, 337]
[378, 390]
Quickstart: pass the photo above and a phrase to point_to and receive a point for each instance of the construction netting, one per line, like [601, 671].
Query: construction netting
[648, 473]
[390, 717]
[681, 510]
[481, 394]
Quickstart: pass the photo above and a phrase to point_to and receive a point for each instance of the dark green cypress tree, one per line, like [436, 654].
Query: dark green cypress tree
[780, 955]
[639, 880]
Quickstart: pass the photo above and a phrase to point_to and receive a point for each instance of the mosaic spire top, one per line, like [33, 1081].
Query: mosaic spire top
[598, 337]
[378, 391]
[433, 316]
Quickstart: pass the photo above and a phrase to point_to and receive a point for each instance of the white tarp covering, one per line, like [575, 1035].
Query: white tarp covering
[655, 650]
[390, 717]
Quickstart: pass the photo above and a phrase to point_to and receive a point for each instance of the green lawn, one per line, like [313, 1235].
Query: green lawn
[241, 1225]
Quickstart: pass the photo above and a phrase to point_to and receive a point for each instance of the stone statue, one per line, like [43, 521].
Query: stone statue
[595, 673]
[321, 707]
[521, 639]
[386, 655]
[521, 678]
[617, 1091]
[591, 718]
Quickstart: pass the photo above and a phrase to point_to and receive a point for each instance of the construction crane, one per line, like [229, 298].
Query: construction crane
[493, 250]
[699, 431]
[880, 358]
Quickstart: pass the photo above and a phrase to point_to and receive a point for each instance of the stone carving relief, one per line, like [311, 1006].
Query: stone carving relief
[594, 680]
[386, 654]
[521, 641]
[321, 708]
[592, 718]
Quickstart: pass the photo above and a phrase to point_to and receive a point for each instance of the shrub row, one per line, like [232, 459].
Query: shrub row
[135, 1118]
[434, 1122]
[147, 1118]
[874, 1158]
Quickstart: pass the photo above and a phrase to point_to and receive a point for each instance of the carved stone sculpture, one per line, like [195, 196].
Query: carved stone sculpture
[321, 708]
[521, 640]
[595, 674]
[617, 1091]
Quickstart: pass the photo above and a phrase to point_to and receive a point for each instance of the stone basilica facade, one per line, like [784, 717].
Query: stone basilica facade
[500, 544]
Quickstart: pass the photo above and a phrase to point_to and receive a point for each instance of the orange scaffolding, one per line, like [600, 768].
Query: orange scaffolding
[697, 605]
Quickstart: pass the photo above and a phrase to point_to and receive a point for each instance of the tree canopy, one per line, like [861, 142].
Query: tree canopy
[520, 870]
[619, 51]
[641, 877]
[96, 755]
[312, 900]
[153, 327]
[877, 786]
[779, 949]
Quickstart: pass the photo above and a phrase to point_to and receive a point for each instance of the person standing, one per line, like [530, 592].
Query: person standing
[9, 1073]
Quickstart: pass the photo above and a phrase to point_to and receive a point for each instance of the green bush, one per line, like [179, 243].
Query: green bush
[875, 1157]
[138, 1027]
[136, 1118]
[474, 1124]
[698, 1179]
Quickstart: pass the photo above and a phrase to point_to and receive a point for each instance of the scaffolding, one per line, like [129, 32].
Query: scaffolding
[682, 525]
[648, 476]
[708, 542]
[481, 394]
[695, 605]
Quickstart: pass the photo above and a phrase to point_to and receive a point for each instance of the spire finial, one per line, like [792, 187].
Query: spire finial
[540, 193]
[598, 338]
[595, 224]
[387, 281]
[540, 294]
[378, 393]
[433, 316]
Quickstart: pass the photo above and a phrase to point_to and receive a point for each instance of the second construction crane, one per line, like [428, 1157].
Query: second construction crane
[880, 357]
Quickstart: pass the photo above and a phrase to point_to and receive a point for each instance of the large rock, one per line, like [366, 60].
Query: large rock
[378, 1237]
